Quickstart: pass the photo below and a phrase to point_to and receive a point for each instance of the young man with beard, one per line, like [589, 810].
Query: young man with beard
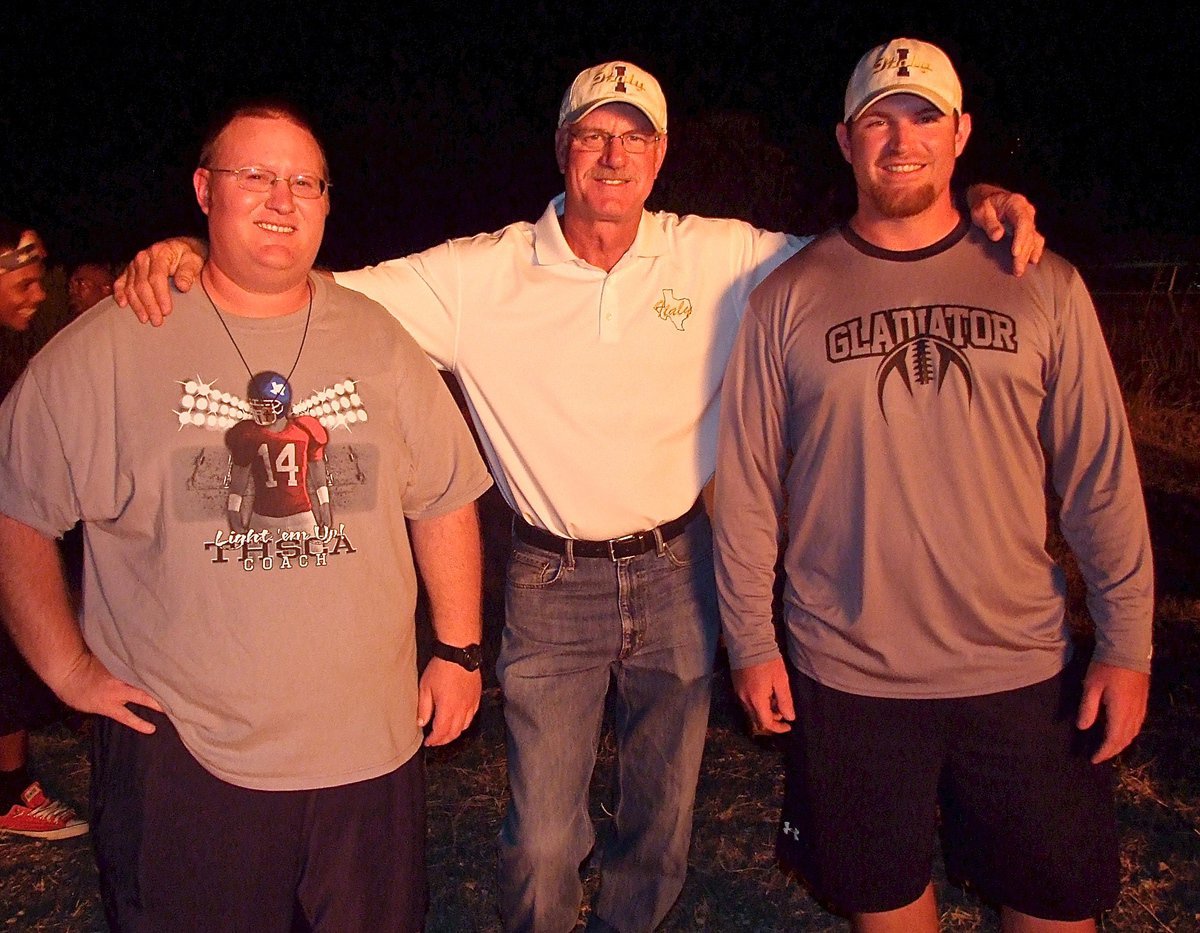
[908, 400]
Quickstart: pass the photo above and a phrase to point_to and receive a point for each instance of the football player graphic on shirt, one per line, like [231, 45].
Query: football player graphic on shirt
[284, 456]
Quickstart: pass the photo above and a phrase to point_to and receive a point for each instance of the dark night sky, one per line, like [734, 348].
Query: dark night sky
[441, 124]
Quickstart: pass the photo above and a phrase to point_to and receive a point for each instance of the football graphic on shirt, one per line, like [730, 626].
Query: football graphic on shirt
[922, 364]
[203, 405]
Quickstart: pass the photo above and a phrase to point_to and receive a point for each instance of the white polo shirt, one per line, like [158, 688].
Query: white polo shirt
[596, 394]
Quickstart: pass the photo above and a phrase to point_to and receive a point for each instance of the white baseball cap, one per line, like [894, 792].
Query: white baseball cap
[614, 82]
[903, 66]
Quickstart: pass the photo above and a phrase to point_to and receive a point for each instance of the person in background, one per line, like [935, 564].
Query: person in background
[25, 702]
[88, 283]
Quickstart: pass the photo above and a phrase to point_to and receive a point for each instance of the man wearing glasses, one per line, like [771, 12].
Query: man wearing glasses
[257, 760]
[590, 346]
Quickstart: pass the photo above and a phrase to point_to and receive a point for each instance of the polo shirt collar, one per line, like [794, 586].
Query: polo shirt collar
[550, 246]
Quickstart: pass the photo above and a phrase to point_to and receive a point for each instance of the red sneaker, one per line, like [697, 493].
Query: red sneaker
[39, 816]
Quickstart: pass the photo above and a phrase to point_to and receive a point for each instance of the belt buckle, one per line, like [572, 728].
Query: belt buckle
[613, 543]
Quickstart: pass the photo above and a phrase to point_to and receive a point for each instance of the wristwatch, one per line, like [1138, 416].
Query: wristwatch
[468, 657]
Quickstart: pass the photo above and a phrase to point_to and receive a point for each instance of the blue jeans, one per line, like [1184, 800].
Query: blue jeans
[650, 624]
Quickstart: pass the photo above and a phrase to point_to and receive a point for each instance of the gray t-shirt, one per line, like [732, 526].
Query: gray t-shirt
[284, 655]
[903, 410]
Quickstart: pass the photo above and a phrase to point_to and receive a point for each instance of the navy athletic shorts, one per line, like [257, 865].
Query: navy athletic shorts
[1025, 818]
[179, 849]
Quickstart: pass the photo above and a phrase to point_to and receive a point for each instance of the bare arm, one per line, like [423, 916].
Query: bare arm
[35, 606]
[449, 555]
[993, 207]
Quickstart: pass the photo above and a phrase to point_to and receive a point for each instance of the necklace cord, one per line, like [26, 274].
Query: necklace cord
[229, 333]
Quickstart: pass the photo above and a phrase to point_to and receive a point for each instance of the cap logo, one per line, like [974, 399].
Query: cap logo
[620, 78]
[900, 61]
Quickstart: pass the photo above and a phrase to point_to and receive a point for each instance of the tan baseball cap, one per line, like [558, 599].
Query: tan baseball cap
[903, 66]
[614, 82]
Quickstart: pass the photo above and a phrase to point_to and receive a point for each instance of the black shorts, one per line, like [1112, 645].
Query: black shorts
[1026, 819]
[179, 849]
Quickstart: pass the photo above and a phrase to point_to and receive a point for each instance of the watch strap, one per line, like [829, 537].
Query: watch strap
[467, 657]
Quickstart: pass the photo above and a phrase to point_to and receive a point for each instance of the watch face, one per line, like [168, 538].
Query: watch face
[472, 655]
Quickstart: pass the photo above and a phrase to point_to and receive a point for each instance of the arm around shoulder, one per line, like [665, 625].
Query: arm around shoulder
[993, 207]
[144, 286]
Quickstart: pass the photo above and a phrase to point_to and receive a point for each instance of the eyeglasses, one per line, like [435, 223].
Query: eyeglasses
[253, 178]
[596, 140]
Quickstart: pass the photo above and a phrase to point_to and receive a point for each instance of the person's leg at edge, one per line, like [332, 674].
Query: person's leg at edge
[14, 753]
[664, 685]
[26, 702]
[560, 639]
[1013, 921]
[920, 916]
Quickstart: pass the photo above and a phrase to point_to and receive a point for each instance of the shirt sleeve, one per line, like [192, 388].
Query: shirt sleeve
[769, 250]
[446, 469]
[36, 485]
[751, 463]
[1103, 517]
[422, 292]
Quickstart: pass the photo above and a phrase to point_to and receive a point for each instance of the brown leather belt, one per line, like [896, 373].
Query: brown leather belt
[614, 548]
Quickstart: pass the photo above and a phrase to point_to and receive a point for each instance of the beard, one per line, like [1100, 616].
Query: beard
[896, 203]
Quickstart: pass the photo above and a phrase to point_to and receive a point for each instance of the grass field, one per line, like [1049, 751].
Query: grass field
[733, 883]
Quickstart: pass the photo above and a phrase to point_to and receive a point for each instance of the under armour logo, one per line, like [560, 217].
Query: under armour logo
[902, 69]
[790, 830]
[620, 70]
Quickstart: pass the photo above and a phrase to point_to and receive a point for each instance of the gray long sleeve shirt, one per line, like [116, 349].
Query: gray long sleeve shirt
[903, 411]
